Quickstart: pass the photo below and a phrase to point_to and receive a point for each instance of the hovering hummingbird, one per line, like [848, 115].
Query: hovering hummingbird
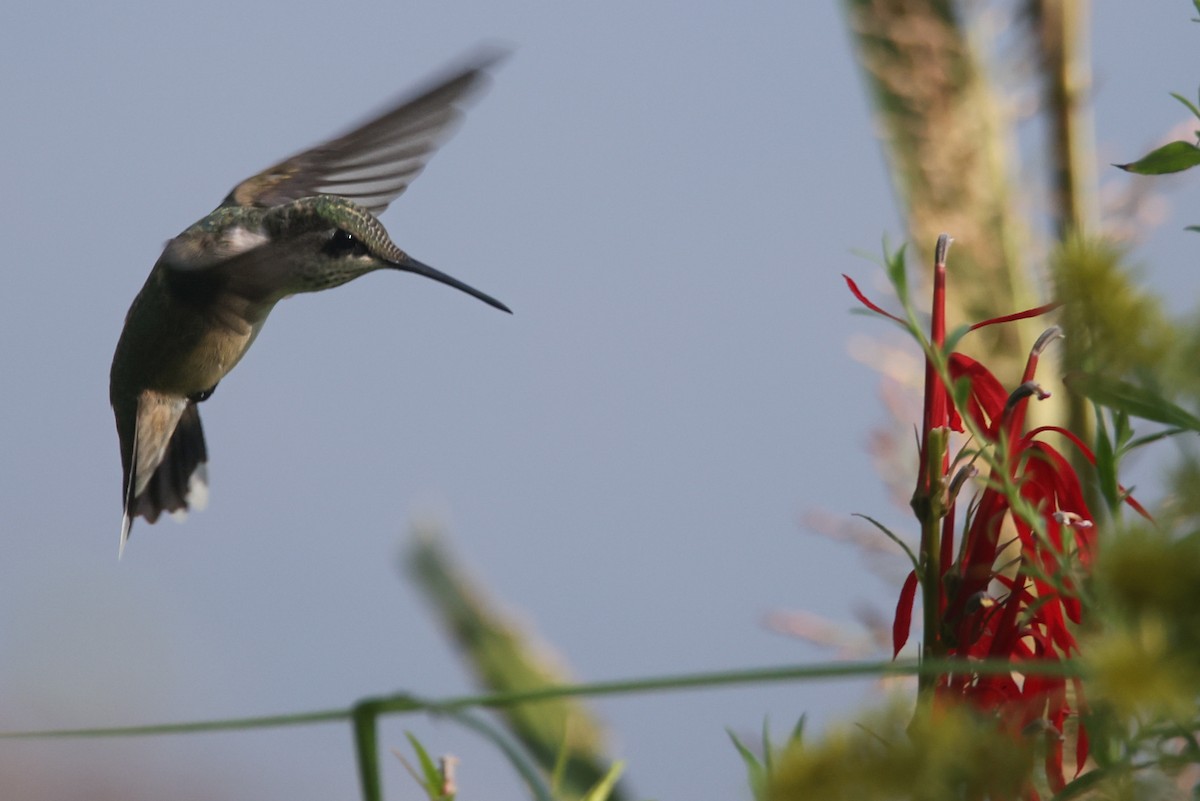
[306, 224]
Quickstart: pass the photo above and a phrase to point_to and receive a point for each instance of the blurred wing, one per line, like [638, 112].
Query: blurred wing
[373, 164]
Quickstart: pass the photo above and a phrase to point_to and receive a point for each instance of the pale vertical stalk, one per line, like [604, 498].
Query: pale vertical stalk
[949, 146]
[1064, 40]
[1063, 27]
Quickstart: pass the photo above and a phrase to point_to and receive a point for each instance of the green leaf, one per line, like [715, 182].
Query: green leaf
[1082, 784]
[767, 748]
[604, 787]
[895, 265]
[1190, 105]
[1131, 399]
[1173, 157]
[432, 776]
[912, 557]
[955, 336]
[797, 735]
[519, 759]
[1122, 430]
[1155, 437]
[755, 772]
[1106, 464]
[560, 761]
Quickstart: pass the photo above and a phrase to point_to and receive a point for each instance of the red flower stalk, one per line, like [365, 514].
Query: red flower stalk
[1011, 593]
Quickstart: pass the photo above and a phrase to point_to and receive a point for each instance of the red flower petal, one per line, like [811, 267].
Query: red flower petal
[1021, 315]
[987, 398]
[904, 609]
[1091, 457]
[864, 300]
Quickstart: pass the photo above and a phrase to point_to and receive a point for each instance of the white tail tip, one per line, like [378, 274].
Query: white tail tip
[126, 523]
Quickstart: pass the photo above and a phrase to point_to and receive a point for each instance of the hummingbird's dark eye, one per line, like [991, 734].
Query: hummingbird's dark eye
[343, 244]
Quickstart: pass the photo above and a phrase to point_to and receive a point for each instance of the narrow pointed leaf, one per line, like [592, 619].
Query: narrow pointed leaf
[1155, 437]
[767, 747]
[1122, 430]
[1106, 465]
[912, 557]
[517, 758]
[1132, 399]
[1173, 157]
[955, 336]
[797, 736]
[1081, 785]
[560, 762]
[604, 788]
[755, 772]
[1190, 105]
[896, 271]
[432, 776]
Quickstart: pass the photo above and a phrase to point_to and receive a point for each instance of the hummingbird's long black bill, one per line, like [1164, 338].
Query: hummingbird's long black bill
[411, 265]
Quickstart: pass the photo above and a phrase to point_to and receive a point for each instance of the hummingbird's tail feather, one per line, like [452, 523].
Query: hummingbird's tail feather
[126, 520]
[126, 524]
[181, 477]
[178, 481]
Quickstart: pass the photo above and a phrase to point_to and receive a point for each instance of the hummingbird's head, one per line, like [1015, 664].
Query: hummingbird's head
[331, 240]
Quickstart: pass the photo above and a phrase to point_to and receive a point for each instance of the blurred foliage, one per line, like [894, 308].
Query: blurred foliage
[1142, 679]
[947, 131]
[1132, 382]
[947, 146]
[760, 769]
[1134, 367]
[436, 779]
[948, 135]
[1110, 322]
[562, 734]
[606, 788]
[1146, 660]
[950, 754]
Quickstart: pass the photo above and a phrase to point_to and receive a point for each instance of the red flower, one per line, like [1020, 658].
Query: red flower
[1028, 540]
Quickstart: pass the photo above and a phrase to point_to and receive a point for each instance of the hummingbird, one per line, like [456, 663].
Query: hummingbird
[305, 224]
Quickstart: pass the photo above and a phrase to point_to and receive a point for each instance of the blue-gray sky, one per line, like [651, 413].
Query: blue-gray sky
[665, 193]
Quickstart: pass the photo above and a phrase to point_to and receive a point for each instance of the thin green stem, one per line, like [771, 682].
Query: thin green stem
[403, 703]
[195, 727]
[366, 747]
[931, 514]
[516, 757]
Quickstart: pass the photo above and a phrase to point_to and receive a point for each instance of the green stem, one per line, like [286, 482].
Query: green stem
[402, 703]
[516, 757]
[931, 513]
[366, 747]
